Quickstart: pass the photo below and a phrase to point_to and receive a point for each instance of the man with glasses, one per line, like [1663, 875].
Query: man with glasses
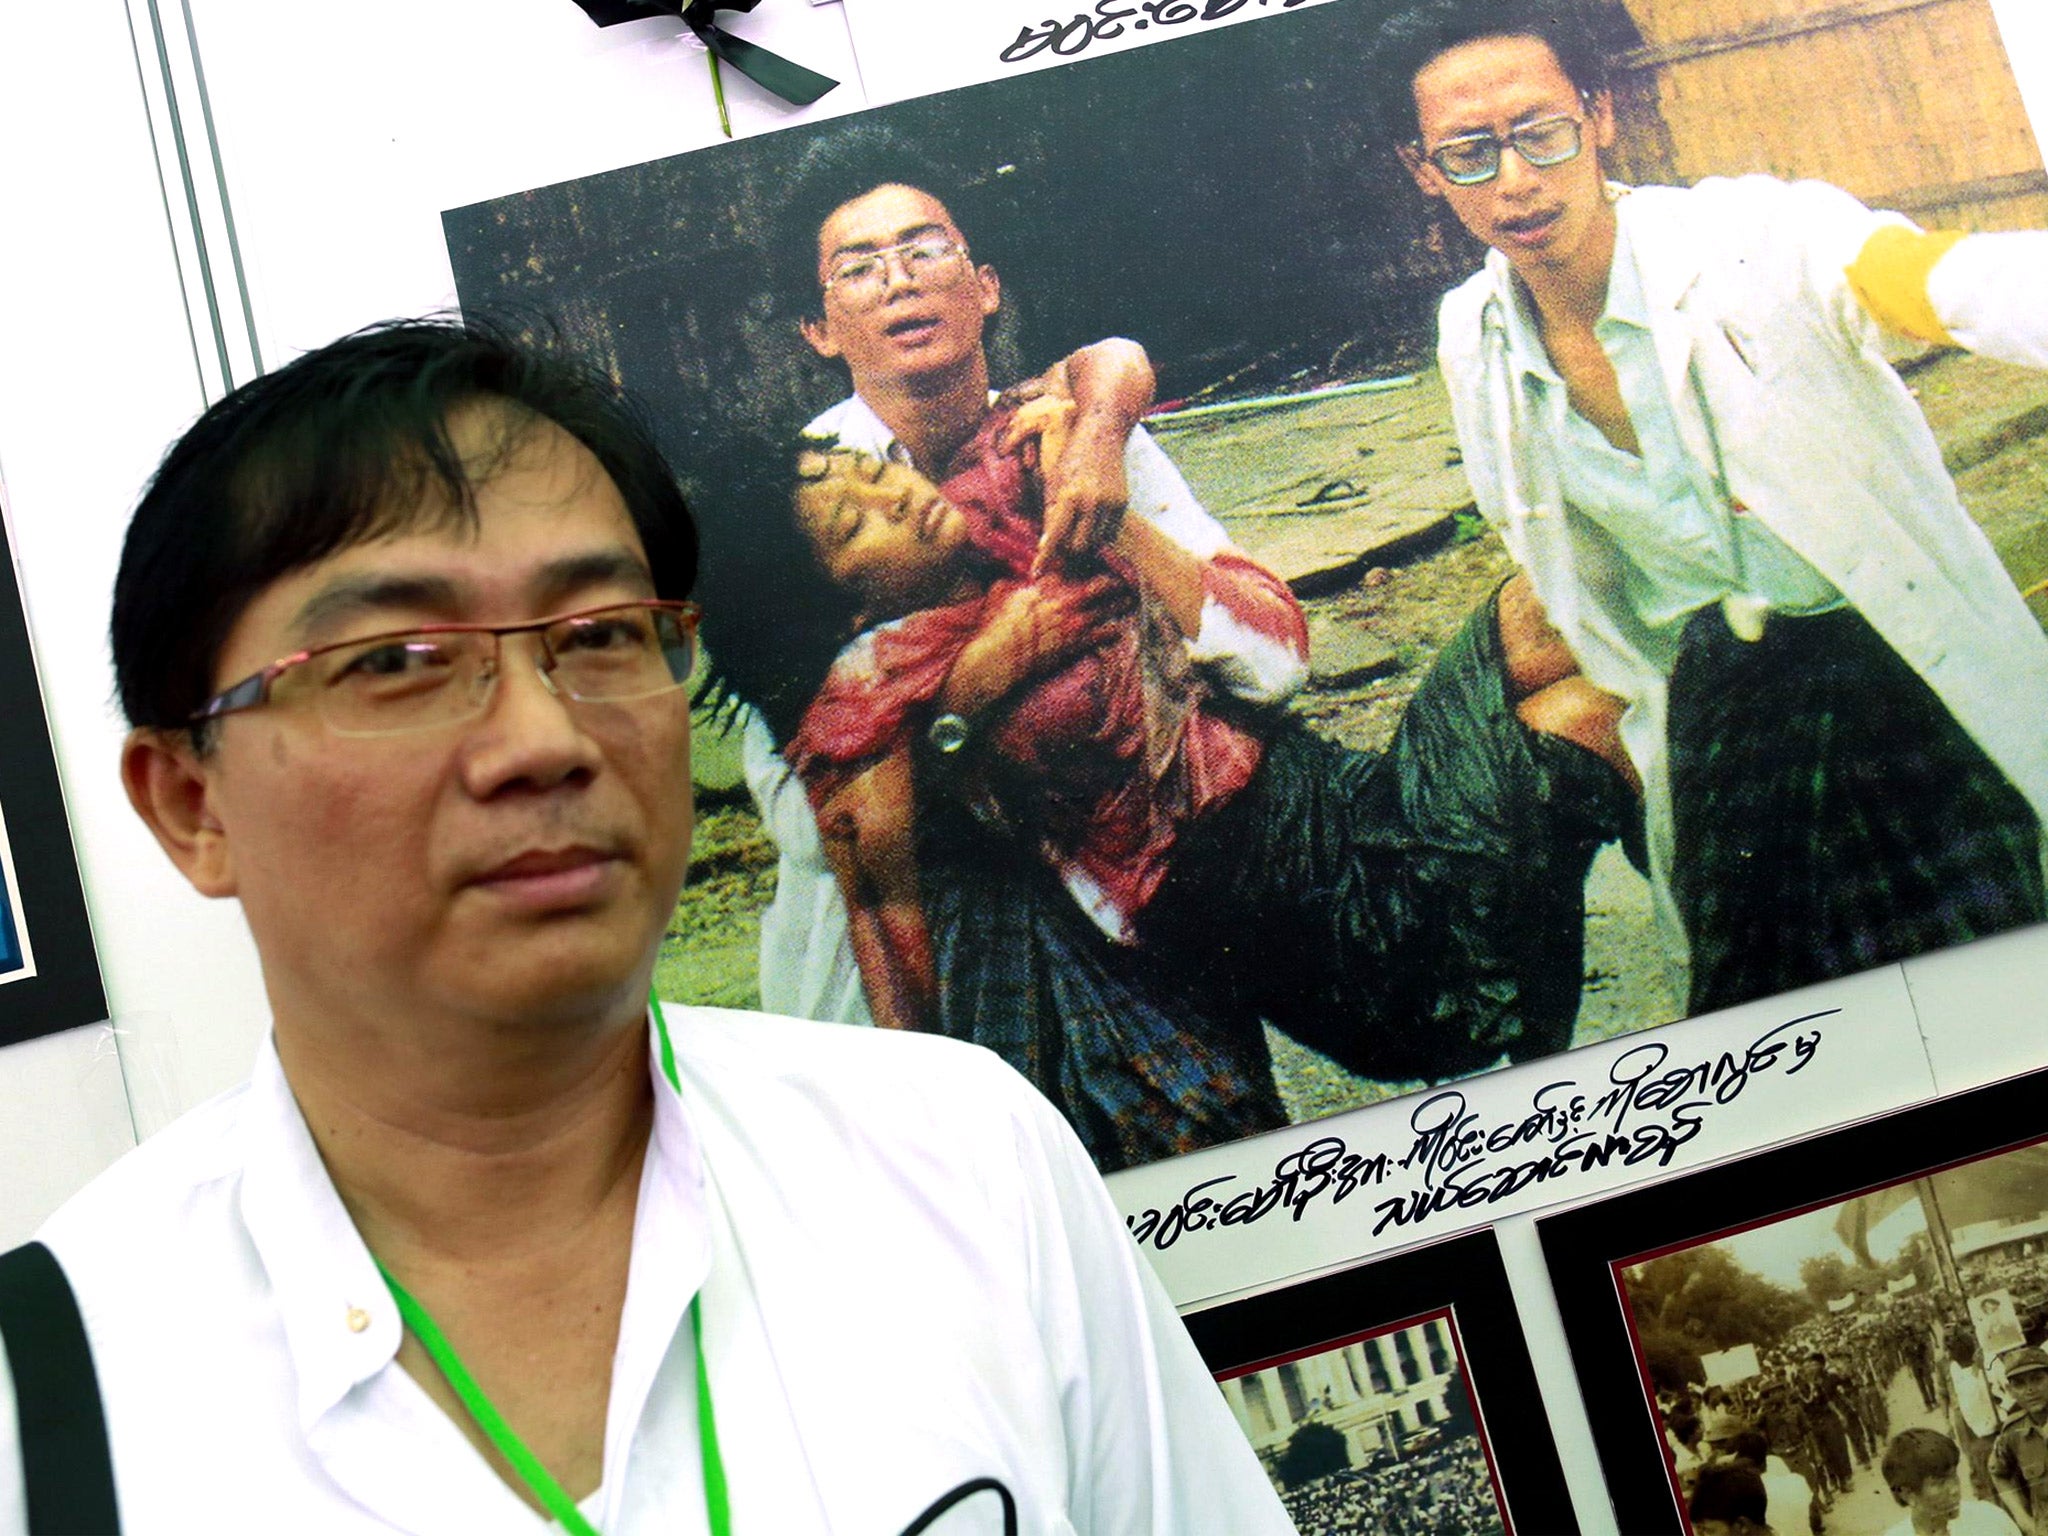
[1674, 406]
[486, 1242]
[885, 283]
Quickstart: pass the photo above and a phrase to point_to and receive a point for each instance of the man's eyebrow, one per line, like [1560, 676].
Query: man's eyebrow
[912, 232]
[1538, 113]
[617, 566]
[351, 597]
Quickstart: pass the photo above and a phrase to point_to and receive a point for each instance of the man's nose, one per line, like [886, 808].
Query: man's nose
[896, 271]
[528, 730]
[1516, 175]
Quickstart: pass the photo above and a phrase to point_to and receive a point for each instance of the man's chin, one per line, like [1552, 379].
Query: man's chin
[562, 971]
[572, 998]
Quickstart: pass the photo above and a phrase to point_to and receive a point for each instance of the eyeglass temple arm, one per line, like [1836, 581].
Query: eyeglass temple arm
[247, 694]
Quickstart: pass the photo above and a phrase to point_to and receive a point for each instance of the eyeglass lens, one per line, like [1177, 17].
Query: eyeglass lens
[1469, 161]
[411, 682]
[864, 276]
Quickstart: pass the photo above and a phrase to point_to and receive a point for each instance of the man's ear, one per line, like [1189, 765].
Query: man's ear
[1600, 107]
[172, 791]
[1423, 173]
[991, 288]
[818, 332]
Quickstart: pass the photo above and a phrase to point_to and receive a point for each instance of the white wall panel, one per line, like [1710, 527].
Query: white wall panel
[99, 371]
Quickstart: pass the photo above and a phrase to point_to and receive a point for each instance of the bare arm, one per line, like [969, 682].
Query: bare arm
[1171, 575]
[1035, 629]
[1110, 384]
[868, 829]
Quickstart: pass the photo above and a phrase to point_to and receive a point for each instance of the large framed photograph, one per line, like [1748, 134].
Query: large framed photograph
[49, 975]
[1786, 1320]
[1397, 1396]
[1190, 900]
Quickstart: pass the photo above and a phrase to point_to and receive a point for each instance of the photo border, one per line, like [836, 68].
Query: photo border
[1587, 1248]
[1462, 1277]
[66, 989]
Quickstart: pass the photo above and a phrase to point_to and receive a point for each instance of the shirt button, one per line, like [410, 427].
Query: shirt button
[358, 1319]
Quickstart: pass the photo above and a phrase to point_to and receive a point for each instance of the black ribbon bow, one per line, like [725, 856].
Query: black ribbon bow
[766, 68]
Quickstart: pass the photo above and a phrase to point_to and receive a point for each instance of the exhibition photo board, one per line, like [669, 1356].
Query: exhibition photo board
[1215, 198]
[49, 974]
[1283, 287]
[1828, 1296]
[1398, 1394]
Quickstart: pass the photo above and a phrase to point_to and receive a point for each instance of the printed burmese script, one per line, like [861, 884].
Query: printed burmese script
[1075, 34]
[1647, 1108]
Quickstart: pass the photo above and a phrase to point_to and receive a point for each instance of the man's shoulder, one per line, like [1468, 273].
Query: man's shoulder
[2014, 1432]
[852, 423]
[1980, 1517]
[1749, 222]
[1461, 315]
[155, 1188]
[737, 1049]
[822, 1108]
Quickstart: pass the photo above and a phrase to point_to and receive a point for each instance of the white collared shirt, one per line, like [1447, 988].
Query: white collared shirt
[1775, 376]
[1683, 546]
[910, 1277]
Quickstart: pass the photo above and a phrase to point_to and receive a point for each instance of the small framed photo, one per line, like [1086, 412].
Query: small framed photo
[49, 975]
[1372, 1397]
[1780, 1322]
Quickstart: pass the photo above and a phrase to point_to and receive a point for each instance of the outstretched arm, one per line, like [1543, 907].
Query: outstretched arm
[868, 828]
[1986, 292]
[1035, 629]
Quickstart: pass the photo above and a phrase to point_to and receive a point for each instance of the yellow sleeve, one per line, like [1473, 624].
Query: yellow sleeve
[1889, 278]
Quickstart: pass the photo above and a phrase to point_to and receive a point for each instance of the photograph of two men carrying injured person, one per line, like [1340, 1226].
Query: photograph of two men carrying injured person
[1132, 648]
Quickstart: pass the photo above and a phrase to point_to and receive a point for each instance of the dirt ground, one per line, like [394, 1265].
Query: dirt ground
[1393, 560]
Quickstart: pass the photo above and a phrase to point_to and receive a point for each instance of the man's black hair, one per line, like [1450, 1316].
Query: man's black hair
[1729, 1491]
[836, 168]
[1752, 1446]
[342, 445]
[1416, 33]
[1914, 1457]
[773, 621]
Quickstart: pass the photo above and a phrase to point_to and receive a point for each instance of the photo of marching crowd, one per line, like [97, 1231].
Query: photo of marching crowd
[1374, 1436]
[1872, 1366]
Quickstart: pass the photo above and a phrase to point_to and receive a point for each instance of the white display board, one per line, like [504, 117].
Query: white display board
[397, 111]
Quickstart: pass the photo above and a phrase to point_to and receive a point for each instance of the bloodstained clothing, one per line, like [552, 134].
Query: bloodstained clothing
[1103, 763]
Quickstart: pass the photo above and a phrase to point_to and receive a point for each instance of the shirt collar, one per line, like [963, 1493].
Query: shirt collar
[852, 423]
[671, 1258]
[339, 1320]
[1626, 301]
[340, 1323]
[1509, 312]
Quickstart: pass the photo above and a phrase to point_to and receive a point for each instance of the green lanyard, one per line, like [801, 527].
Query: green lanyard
[553, 1497]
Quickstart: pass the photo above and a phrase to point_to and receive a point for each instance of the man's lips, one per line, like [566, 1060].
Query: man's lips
[545, 878]
[1528, 228]
[911, 327]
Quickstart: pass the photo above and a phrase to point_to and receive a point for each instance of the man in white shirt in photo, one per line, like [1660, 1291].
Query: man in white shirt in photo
[1673, 404]
[891, 290]
[486, 1244]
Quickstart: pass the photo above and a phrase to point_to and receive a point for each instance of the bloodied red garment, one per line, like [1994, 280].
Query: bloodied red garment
[1102, 763]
